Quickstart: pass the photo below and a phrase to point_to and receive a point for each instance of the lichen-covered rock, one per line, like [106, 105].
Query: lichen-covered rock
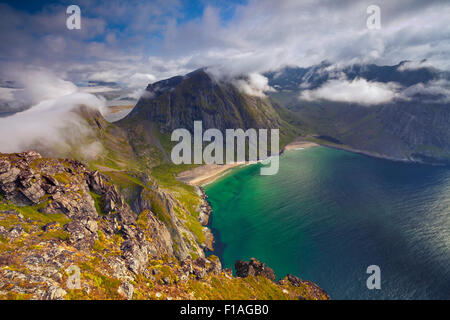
[54, 293]
[312, 288]
[253, 268]
[135, 254]
[126, 290]
[119, 269]
[83, 232]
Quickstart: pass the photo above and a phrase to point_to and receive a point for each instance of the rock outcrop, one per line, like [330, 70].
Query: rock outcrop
[253, 268]
[67, 232]
[311, 287]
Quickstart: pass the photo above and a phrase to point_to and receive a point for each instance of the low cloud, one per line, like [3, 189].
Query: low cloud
[414, 65]
[35, 86]
[140, 80]
[254, 85]
[50, 125]
[358, 91]
[432, 91]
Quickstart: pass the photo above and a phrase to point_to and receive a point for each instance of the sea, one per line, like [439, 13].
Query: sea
[328, 215]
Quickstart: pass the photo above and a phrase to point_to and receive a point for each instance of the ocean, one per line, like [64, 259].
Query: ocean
[329, 214]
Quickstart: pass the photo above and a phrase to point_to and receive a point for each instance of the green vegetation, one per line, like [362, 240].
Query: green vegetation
[186, 194]
[33, 213]
[55, 234]
[62, 178]
[98, 202]
[166, 174]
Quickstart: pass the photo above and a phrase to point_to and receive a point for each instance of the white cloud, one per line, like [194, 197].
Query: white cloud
[258, 36]
[254, 85]
[414, 65]
[265, 35]
[50, 124]
[437, 90]
[136, 94]
[39, 85]
[140, 80]
[358, 91]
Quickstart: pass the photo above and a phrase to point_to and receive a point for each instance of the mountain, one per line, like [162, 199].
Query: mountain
[179, 101]
[411, 127]
[296, 78]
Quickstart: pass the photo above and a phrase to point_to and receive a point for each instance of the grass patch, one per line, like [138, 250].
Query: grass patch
[57, 234]
[33, 213]
[62, 178]
[98, 202]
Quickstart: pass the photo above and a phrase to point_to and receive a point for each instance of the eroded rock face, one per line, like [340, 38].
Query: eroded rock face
[126, 290]
[63, 187]
[183, 241]
[83, 232]
[254, 268]
[97, 231]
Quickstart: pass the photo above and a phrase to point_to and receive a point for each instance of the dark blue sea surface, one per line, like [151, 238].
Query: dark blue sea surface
[329, 214]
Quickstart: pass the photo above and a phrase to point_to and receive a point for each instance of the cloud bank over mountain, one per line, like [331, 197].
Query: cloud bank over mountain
[51, 123]
[358, 91]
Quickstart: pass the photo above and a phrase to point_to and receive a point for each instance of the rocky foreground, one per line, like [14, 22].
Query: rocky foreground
[67, 232]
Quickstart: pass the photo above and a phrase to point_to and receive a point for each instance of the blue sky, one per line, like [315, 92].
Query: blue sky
[124, 41]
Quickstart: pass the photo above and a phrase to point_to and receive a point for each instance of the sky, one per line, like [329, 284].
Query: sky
[136, 42]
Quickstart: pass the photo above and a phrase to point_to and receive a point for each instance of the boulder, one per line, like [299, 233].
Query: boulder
[254, 268]
[126, 290]
[83, 233]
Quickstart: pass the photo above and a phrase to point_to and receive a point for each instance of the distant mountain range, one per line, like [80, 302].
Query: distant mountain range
[411, 127]
[292, 78]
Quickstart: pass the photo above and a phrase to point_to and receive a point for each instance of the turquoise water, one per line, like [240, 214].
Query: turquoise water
[329, 214]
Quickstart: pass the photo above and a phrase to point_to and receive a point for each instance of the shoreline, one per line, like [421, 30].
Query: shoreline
[209, 173]
[298, 145]
[205, 174]
[378, 155]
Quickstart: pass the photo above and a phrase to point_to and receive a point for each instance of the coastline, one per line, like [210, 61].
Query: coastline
[205, 174]
[299, 144]
[377, 155]
[209, 173]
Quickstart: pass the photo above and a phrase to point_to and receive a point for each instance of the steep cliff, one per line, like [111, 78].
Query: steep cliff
[67, 232]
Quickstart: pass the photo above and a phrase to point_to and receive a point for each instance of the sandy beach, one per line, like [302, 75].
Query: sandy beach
[205, 174]
[299, 144]
[208, 173]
